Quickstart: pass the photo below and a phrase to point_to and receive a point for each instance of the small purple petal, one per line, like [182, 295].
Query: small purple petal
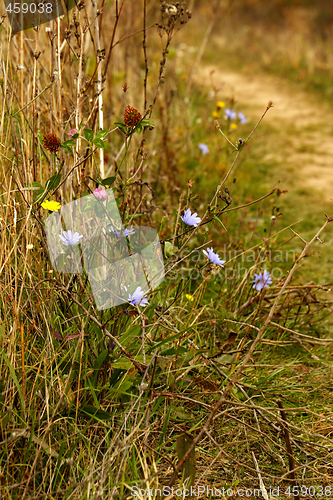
[204, 148]
[230, 114]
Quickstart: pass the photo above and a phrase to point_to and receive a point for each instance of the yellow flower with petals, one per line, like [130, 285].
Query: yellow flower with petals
[220, 104]
[233, 126]
[53, 206]
[216, 114]
[189, 297]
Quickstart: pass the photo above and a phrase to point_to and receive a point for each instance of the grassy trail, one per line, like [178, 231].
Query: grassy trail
[302, 124]
[295, 151]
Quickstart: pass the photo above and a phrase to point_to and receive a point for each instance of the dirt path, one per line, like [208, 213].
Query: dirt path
[304, 125]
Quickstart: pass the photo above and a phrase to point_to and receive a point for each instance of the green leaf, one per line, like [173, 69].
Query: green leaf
[146, 123]
[88, 134]
[169, 249]
[99, 143]
[94, 412]
[101, 358]
[53, 182]
[184, 442]
[108, 181]
[166, 341]
[70, 142]
[37, 189]
[122, 363]
[130, 217]
[34, 185]
[102, 133]
[14, 379]
[98, 363]
[165, 426]
[66, 148]
[94, 180]
[121, 126]
[59, 468]
[90, 205]
[180, 413]
[138, 129]
[99, 210]
[75, 136]
[116, 376]
[123, 388]
[219, 221]
[169, 352]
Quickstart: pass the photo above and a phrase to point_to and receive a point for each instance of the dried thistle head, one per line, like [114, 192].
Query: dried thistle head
[173, 13]
[131, 117]
[51, 142]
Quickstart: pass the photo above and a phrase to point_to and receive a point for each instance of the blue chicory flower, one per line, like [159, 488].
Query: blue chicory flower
[242, 118]
[138, 297]
[204, 148]
[70, 239]
[213, 257]
[231, 114]
[126, 232]
[190, 219]
[262, 280]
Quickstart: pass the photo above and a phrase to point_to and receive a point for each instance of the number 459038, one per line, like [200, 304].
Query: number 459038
[41, 8]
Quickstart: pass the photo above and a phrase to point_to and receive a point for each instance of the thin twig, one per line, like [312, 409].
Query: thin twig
[289, 449]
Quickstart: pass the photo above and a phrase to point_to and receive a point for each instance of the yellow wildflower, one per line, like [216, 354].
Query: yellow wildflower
[189, 297]
[220, 104]
[51, 205]
[216, 114]
[233, 126]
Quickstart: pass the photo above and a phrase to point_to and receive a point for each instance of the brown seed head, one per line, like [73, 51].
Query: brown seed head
[51, 142]
[131, 116]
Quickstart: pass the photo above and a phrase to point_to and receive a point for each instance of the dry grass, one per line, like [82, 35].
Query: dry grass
[97, 402]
